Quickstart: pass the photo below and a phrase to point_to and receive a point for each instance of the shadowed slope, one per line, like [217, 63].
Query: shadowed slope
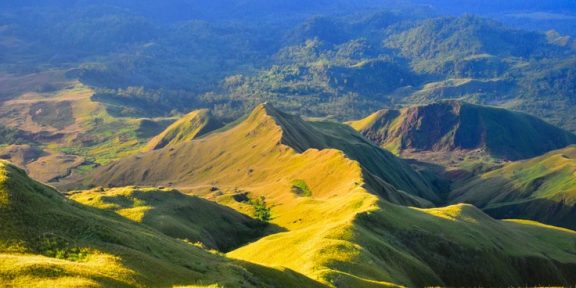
[453, 125]
[177, 215]
[542, 189]
[192, 125]
[48, 240]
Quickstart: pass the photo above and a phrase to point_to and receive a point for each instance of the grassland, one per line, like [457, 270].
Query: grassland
[74, 132]
[48, 240]
[350, 230]
[542, 189]
[177, 215]
[187, 128]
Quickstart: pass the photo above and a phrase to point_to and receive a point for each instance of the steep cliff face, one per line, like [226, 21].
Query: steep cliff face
[453, 125]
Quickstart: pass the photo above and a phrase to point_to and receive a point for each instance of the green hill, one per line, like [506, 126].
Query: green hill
[331, 192]
[452, 126]
[177, 215]
[542, 189]
[193, 125]
[47, 240]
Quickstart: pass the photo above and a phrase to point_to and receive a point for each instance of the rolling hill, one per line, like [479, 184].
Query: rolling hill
[336, 196]
[541, 189]
[454, 126]
[48, 240]
[176, 215]
[252, 152]
[192, 125]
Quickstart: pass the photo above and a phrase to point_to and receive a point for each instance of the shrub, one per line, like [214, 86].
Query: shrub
[261, 210]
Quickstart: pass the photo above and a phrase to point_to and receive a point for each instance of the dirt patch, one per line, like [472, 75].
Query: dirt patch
[56, 114]
[53, 167]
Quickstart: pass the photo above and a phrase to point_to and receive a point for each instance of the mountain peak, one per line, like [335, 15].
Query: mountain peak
[187, 128]
[449, 126]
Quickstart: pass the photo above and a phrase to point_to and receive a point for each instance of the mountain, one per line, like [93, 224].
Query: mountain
[192, 125]
[339, 201]
[542, 189]
[48, 240]
[246, 152]
[448, 37]
[176, 215]
[452, 126]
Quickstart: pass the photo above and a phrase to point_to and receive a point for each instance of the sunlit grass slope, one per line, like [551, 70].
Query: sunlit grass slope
[453, 125]
[343, 230]
[192, 125]
[177, 215]
[268, 151]
[47, 240]
[394, 245]
[542, 189]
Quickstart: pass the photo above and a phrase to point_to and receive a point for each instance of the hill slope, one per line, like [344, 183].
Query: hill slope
[177, 215]
[256, 151]
[542, 189]
[47, 240]
[323, 188]
[453, 125]
[194, 124]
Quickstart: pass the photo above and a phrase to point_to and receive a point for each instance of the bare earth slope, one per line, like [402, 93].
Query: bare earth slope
[453, 125]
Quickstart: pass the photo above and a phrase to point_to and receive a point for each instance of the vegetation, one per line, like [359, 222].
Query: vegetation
[300, 188]
[541, 189]
[261, 211]
[164, 111]
[177, 215]
[348, 232]
[187, 128]
[48, 240]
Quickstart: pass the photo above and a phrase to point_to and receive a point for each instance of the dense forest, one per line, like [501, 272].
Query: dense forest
[320, 61]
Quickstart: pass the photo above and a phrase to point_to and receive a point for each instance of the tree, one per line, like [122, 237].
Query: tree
[261, 210]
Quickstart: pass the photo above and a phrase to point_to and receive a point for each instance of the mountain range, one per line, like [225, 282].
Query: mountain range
[354, 213]
[276, 143]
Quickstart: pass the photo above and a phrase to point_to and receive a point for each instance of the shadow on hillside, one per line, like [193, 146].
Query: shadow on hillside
[195, 219]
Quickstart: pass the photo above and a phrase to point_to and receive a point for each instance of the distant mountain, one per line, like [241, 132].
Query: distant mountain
[48, 240]
[541, 189]
[453, 125]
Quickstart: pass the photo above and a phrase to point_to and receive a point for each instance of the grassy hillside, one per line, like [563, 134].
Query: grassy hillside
[452, 126]
[339, 226]
[177, 215]
[71, 131]
[48, 240]
[452, 246]
[255, 151]
[541, 189]
[192, 125]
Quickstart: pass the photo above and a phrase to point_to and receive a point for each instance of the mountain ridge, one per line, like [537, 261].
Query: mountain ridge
[454, 125]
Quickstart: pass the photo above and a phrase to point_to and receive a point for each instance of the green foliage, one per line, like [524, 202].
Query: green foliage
[53, 246]
[261, 210]
[300, 188]
[9, 136]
